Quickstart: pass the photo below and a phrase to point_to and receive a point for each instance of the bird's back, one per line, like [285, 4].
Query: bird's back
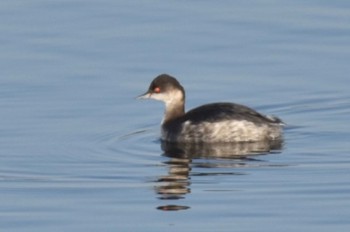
[222, 122]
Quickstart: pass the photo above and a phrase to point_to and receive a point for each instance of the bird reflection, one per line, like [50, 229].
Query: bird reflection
[185, 156]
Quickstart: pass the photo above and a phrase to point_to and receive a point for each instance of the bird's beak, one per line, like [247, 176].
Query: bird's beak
[144, 96]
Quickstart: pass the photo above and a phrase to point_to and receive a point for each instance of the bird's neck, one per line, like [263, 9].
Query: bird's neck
[173, 110]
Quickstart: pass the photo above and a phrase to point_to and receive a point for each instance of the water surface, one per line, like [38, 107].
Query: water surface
[79, 153]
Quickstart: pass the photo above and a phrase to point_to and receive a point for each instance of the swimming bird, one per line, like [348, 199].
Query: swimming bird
[209, 123]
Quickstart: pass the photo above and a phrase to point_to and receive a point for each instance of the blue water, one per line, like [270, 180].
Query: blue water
[79, 153]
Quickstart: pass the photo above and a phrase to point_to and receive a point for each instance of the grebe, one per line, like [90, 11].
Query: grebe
[215, 122]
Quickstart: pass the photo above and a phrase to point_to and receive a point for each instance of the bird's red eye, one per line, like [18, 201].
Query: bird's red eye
[156, 90]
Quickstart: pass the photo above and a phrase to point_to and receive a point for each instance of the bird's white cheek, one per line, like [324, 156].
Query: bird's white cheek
[158, 96]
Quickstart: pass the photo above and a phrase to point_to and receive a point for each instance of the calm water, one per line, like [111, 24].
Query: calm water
[79, 153]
